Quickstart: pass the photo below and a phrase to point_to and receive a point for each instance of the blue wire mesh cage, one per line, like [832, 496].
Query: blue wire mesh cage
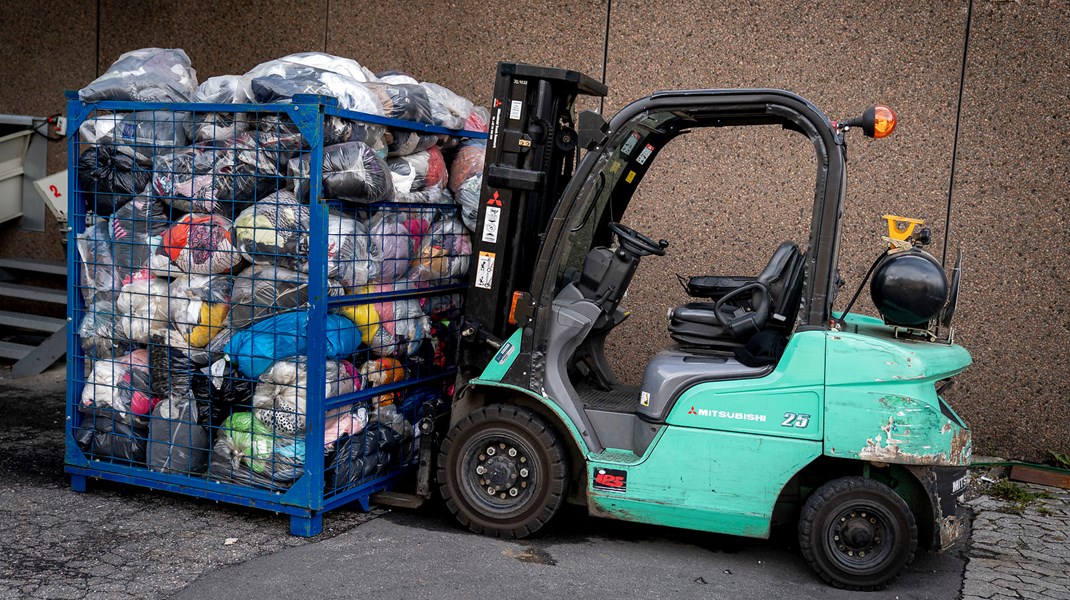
[265, 298]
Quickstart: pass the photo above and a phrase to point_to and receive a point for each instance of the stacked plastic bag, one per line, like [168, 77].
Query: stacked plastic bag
[196, 266]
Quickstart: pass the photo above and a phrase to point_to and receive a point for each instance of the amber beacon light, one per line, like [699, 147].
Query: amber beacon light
[876, 122]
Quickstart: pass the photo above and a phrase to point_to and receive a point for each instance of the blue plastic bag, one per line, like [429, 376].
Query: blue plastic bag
[284, 336]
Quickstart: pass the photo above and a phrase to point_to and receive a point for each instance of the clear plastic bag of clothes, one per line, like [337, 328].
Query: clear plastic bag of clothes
[404, 101]
[348, 260]
[100, 333]
[122, 384]
[259, 346]
[468, 162]
[247, 452]
[136, 229]
[196, 244]
[100, 275]
[419, 171]
[391, 244]
[199, 307]
[109, 179]
[403, 142]
[98, 129]
[142, 307]
[317, 60]
[279, 396]
[468, 197]
[260, 158]
[262, 291]
[220, 126]
[205, 180]
[396, 77]
[145, 75]
[443, 255]
[390, 327]
[273, 229]
[178, 443]
[143, 134]
[352, 171]
[286, 80]
[447, 108]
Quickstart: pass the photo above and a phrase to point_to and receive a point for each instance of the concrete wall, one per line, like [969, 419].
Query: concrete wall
[724, 198]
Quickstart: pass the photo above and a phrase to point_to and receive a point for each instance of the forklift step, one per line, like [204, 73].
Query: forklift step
[31, 322]
[398, 499]
[14, 351]
[29, 292]
[33, 265]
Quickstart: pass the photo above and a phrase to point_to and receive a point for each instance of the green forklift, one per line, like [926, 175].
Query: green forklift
[771, 407]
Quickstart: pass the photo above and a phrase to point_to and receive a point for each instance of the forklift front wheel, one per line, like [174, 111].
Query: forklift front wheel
[502, 471]
[857, 533]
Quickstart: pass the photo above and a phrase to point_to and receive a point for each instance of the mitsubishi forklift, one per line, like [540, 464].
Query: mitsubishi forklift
[771, 405]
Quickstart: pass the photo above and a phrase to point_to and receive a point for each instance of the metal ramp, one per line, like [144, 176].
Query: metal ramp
[33, 341]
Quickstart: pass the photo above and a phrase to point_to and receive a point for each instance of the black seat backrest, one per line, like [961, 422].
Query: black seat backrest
[783, 277]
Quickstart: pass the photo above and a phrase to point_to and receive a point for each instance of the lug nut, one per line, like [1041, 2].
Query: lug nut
[513, 491]
[480, 470]
[872, 520]
[862, 553]
[491, 450]
[503, 496]
[523, 472]
[502, 446]
[491, 491]
[523, 484]
[837, 538]
[512, 452]
[523, 459]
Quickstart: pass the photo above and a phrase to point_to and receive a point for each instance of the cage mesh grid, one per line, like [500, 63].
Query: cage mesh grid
[211, 295]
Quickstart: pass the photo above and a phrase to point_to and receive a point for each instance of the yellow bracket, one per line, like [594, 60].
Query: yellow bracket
[901, 228]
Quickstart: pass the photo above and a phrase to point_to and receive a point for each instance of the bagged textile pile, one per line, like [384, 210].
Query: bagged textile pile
[255, 349]
[247, 452]
[272, 229]
[352, 171]
[279, 399]
[197, 244]
[262, 291]
[146, 75]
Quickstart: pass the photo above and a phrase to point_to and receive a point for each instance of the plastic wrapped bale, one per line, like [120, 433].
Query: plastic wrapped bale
[447, 108]
[468, 197]
[363, 456]
[177, 442]
[418, 171]
[104, 433]
[272, 229]
[403, 326]
[197, 244]
[146, 75]
[317, 60]
[478, 119]
[340, 422]
[282, 79]
[109, 179]
[379, 372]
[279, 397]
[260, 161]
[403, 142]
[405, 101]
[98, 129]
[142, 307]
[263, 291]
[348, 258]
[443, 256]
[215, 127]
[135, 229]
[391, 245]
[199, 306]
[246, 452]
[256, 348]
[468, 162]
[100, 275]
[143, 134]
[351, 171]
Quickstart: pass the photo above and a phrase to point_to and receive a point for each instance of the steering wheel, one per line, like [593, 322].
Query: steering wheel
[636, 242]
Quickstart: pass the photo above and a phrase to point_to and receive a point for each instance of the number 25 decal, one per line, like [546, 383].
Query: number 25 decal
[795, 420]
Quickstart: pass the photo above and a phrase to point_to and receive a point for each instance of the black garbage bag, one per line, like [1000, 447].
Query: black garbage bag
[220, 390]
[402, 101]
[352, 171]
[109, 179]
[177, 442]
[362, 456]
[105, 434]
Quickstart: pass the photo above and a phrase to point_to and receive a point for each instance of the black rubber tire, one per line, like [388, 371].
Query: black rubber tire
[546, 462]
[874, 511]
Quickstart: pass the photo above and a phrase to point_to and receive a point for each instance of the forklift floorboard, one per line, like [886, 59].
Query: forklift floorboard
[623, 398]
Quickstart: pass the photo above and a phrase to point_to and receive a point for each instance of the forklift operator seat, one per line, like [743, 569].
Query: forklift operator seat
[741, 306]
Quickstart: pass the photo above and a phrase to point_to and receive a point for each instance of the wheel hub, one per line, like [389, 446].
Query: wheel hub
[858, 533]
[502, 470]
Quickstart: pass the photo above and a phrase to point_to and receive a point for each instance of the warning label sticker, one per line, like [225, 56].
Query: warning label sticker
[645, 154]
[629, 144]
[490, 224]
[485, 270]
[514, 109]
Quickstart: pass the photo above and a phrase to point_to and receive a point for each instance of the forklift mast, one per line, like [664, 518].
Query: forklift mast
[531, 156]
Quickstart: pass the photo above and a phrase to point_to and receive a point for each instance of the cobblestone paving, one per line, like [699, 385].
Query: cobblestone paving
[1023, 555]
[114, 541]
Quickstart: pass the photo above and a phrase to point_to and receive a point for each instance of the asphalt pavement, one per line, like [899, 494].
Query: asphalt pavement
[122, 542]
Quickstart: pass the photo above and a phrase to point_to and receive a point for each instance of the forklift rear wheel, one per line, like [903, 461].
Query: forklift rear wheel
[502, 471]
[857, 533]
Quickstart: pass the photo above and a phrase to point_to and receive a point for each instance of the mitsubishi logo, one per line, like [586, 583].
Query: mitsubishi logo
[692, 411]
[494, 200]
